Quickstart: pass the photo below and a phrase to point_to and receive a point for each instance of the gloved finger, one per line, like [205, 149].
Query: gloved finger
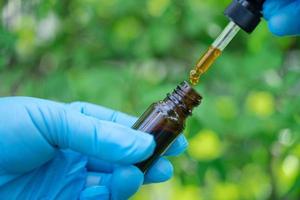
[271, 7]
[162, 170]
[95, 164]
[99, 112]
[126, 180]
[286, 20]
[95, 193]
[177, 147]
[103, 113]
[123, 182]
[66, 128]
[106, 140]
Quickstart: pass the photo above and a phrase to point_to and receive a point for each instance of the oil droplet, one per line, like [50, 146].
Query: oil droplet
[203, 64]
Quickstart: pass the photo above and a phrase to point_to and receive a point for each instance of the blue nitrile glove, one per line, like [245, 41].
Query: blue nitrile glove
[283, 16]
[50, 150]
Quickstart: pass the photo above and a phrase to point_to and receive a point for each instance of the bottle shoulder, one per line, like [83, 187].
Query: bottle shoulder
[167, 110]
[161, 116]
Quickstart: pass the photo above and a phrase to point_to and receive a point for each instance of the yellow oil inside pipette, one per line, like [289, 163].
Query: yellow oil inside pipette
[213, 52]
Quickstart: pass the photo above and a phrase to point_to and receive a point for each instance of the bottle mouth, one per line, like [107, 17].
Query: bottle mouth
[184, 98]
[188, 93]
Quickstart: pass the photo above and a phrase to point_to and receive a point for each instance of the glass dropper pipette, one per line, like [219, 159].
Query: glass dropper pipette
[213, 52]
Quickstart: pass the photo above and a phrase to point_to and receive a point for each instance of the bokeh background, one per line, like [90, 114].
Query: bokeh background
[244, 138]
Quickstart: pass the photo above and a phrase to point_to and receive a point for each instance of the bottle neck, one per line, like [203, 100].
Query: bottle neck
[183, 99]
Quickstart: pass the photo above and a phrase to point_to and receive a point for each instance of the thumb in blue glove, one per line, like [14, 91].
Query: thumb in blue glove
[283, 16]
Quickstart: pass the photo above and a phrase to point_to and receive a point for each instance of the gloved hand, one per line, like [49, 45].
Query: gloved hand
[50, 150]
[282, 16]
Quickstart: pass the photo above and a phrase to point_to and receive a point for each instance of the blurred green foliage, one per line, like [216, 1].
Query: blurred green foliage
[244, 138]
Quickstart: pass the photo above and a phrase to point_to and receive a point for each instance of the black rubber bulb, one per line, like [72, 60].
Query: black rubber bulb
[245, 13]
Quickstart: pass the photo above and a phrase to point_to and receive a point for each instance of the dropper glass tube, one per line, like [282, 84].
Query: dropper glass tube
[213, 52]
[226, 36]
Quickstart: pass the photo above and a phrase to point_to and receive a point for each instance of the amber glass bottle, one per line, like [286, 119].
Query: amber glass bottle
[165, 119]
